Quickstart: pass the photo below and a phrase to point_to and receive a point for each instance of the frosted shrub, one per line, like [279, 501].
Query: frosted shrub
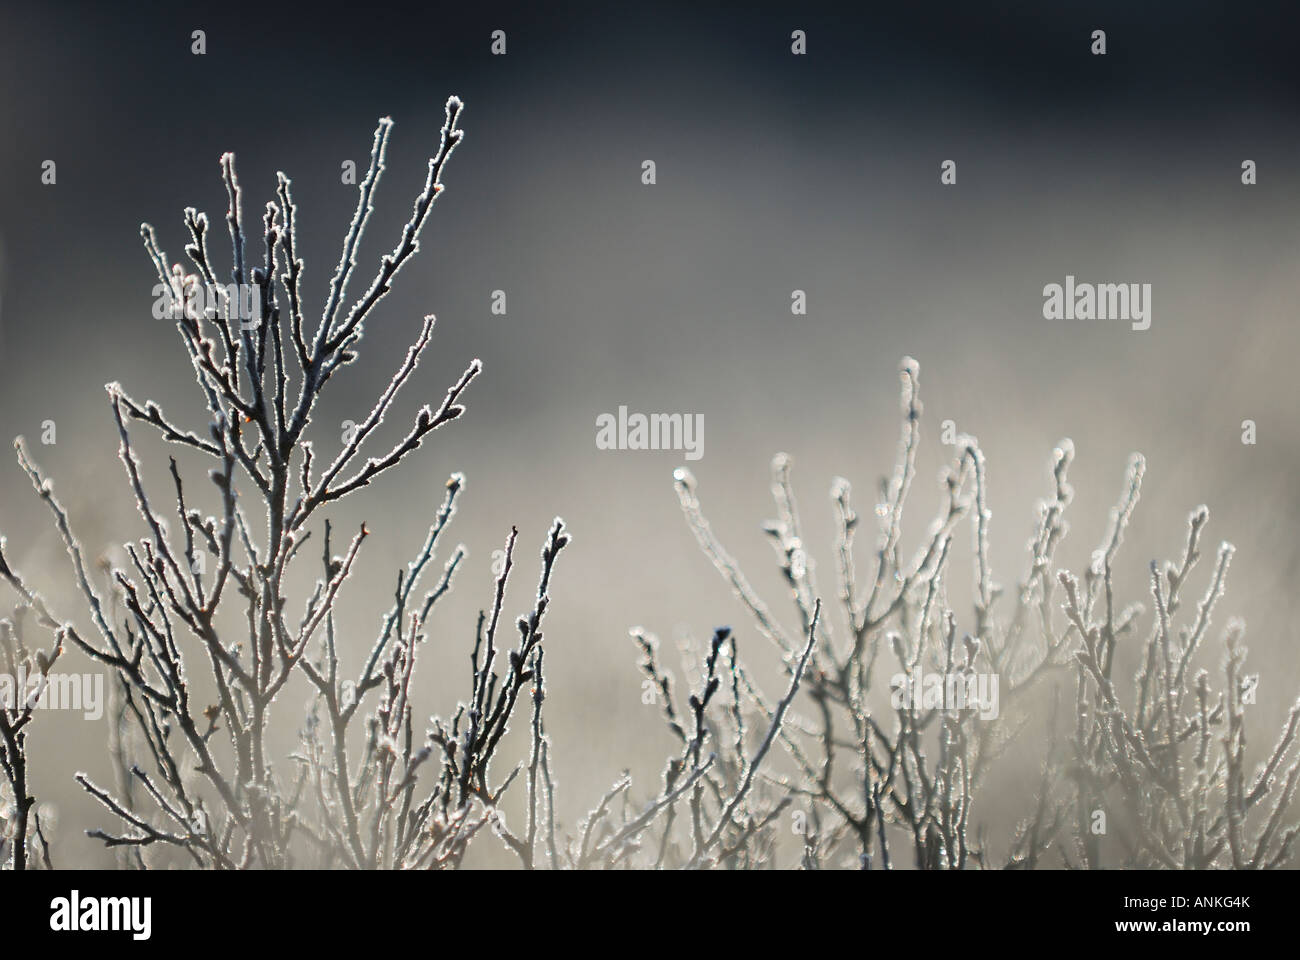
[366, 789]
[1156, 779]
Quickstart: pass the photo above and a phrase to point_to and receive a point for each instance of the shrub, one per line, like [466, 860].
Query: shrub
[19, 817]
[909, 778]
[209, 790]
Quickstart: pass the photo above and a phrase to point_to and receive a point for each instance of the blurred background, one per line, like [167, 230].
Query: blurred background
[775, 172]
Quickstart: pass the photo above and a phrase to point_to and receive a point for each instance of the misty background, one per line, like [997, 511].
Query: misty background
[774, 173]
